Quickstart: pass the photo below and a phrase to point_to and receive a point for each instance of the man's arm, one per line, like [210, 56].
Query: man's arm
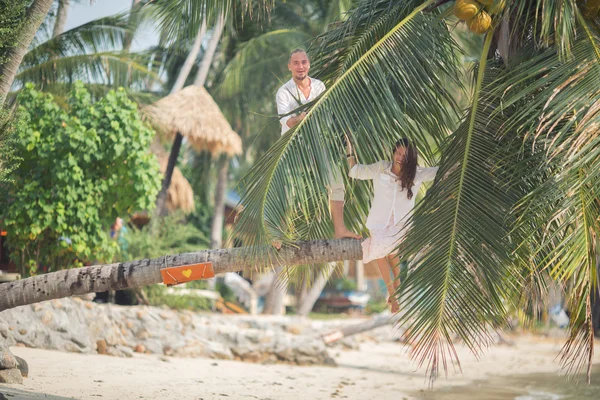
[283, 102]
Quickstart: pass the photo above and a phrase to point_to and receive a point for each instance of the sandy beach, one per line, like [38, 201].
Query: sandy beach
[375, 371]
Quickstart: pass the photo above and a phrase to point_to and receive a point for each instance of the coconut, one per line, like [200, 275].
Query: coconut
[466, 9]
[480, 23]
[496, 7]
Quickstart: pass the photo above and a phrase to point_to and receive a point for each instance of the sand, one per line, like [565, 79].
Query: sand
[376, 371]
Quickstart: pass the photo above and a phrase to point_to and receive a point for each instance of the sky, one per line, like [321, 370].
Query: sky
[81, 12]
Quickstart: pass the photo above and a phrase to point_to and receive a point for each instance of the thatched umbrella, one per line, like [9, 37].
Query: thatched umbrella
[180, 195]
[193, 113]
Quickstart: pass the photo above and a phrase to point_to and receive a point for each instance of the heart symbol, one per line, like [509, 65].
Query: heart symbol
[187, 273]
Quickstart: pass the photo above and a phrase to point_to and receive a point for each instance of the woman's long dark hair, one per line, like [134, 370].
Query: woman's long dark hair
[409, 165]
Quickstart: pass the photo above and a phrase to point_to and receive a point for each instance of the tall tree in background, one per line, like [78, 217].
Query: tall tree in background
[34, 16]
[61, 17]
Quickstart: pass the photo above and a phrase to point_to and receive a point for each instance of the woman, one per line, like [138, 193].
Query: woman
[395, 184]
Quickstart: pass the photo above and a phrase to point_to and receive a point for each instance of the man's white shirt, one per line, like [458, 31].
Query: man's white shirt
[289, 97]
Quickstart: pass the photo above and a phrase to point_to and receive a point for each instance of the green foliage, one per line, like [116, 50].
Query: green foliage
[12, 15]
[157, 296]
[168, 235]
[82, 167]
[376, 307]
[91, 53]
[226, 293]
[343, 284]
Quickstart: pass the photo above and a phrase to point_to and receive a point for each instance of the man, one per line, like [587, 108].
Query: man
[299, 90]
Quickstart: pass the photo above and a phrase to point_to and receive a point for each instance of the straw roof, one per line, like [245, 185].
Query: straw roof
[193, 113]
[180, 194]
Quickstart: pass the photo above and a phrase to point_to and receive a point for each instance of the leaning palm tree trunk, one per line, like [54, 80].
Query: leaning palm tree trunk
[308, 301]
[36, 13]
[132, 274]
[61, 17]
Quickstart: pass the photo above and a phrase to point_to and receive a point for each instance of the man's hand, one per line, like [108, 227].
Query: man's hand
[292, 122]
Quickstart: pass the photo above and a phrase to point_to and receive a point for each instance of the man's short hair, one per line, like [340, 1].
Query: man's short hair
[297, 51]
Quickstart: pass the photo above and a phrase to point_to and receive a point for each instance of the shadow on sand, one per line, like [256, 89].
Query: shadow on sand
[521, 387]
[13, 393]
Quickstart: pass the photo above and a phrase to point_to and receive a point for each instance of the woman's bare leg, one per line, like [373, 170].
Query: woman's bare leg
[384, 270]
[394, 261]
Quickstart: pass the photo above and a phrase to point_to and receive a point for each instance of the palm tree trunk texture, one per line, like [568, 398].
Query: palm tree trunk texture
[190, 59]
[133, 274]
[34, 17]
[308, 301]
[129, 35]
[61, 17]
[274, 300]
[161, 201]
[210, 51]
[216, 231]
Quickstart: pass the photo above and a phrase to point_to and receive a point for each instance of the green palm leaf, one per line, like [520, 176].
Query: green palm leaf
[258, 61]
[557, 222]
[551, 22]
[90, 53]
[458, 239]
[182, 18]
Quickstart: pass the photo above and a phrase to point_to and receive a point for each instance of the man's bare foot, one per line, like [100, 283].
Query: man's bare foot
[395, 307]
[345, 233]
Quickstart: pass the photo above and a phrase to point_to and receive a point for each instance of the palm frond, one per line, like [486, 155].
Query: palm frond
[459, 240]
[103, 34]
[261, 59]
[109, 68]
[558, 216]
[90, 53]
[184, 17]
[552, 22]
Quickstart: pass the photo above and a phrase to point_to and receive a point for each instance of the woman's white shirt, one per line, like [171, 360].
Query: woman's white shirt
[389, 196]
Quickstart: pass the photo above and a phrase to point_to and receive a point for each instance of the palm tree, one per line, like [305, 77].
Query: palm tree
[514, 202]
[61, 17]
[91, 53]
[36, 12]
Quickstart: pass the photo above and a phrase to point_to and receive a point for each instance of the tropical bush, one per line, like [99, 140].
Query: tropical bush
[82, 166]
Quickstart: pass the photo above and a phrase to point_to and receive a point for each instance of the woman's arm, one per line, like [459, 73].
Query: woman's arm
[360, 171]
[427, 174]
[349, 154]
